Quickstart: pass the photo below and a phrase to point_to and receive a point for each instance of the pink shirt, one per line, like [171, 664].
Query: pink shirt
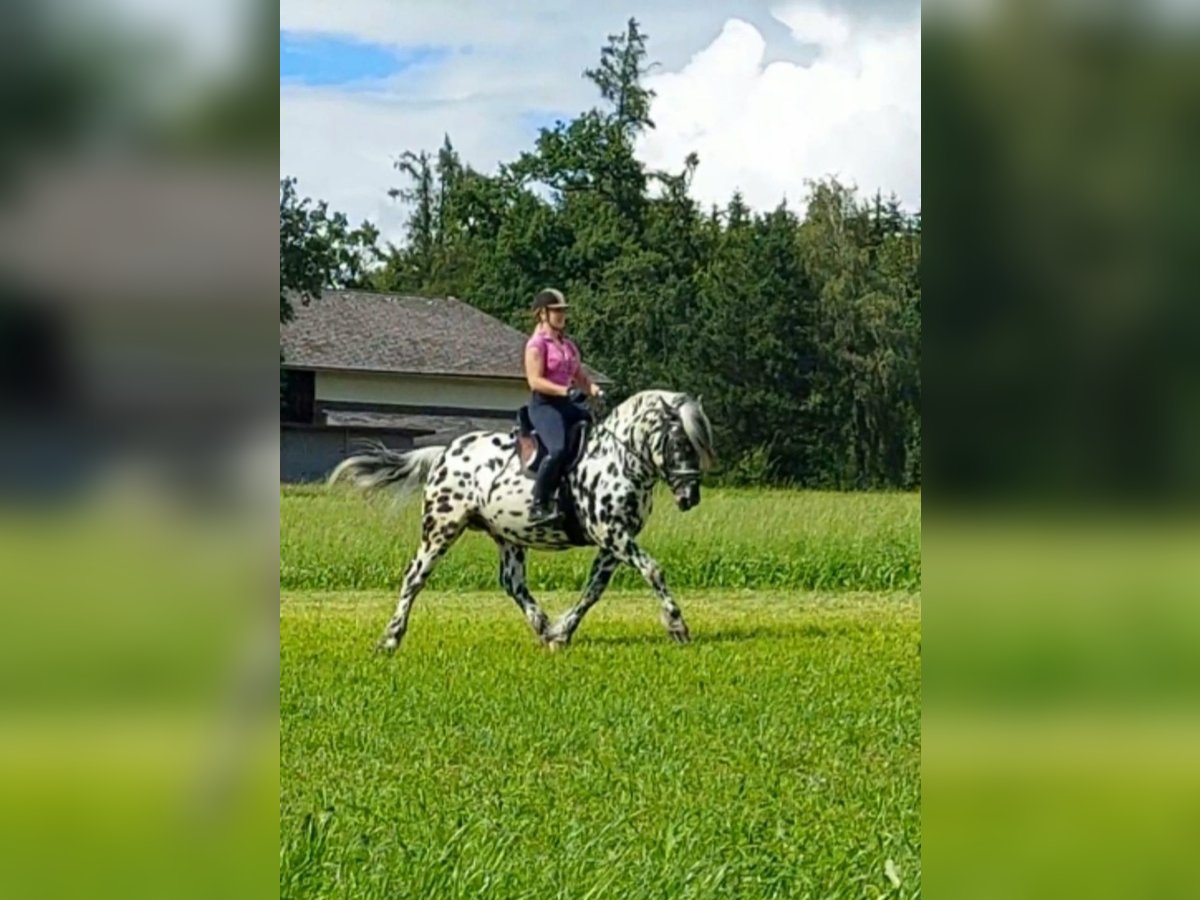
[560, 359]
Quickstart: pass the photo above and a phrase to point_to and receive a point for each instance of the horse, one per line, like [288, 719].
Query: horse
[478, 482]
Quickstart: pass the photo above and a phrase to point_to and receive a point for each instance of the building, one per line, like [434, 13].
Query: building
[405, 371]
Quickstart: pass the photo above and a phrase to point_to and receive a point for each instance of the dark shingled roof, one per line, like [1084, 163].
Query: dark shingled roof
[394, 333]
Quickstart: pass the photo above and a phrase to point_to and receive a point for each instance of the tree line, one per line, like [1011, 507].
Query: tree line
[802, 333]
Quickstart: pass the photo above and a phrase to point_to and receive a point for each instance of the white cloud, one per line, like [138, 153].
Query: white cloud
[341, 145]
[853, 110]
[812, 24]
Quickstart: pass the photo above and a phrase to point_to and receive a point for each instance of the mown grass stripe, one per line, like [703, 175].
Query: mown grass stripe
[776, 756]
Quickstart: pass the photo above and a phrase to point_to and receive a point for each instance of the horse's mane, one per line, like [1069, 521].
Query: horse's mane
[698, 429]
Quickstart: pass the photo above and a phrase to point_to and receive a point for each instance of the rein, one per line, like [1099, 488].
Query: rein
[681, 476]
[644, 463]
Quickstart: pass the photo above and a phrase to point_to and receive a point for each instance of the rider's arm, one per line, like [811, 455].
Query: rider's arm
[580, 378]
[533, 374]
[584, 383]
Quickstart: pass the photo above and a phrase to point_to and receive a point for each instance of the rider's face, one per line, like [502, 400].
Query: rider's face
[557, 318]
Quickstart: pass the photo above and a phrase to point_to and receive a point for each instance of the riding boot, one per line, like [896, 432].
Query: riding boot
[544, 508]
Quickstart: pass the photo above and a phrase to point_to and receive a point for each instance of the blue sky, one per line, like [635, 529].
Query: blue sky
[332, 60]
[536, 119]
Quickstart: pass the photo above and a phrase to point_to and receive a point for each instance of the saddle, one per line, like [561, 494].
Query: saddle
[532, 452]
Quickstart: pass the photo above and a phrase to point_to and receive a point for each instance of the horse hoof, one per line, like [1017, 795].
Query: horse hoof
[387, 646]
[681, 636]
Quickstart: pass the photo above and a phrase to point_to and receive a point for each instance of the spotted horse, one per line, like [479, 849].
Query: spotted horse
[479, 482]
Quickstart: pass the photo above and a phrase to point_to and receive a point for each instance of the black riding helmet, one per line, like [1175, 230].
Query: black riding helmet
[549, 299]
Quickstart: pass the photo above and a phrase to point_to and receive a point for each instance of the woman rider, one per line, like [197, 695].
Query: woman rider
[560, 387]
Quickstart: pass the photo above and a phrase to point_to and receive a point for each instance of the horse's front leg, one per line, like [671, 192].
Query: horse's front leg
[671, 616]
[603, 567]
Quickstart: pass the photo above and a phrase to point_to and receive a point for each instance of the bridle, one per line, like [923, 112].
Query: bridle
[643, 463]
[682, 478]
[679, 478]
[676, 479]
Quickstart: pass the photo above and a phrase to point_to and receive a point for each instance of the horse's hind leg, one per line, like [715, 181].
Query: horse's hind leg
[512, 579]
[438, 534]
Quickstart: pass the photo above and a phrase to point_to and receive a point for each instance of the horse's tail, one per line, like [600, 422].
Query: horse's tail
[403, 470]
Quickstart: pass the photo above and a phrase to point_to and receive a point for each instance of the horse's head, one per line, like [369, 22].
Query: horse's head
[682, 447]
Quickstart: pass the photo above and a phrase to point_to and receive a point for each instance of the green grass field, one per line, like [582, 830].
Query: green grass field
[336, 540]
[777, 755]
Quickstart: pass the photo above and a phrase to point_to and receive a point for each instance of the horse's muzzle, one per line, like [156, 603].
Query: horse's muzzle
[687, 496]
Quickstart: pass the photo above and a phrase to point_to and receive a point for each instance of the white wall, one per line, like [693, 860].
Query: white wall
[415, 390]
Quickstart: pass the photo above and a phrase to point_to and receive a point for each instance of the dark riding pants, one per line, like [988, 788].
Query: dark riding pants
[552, 419]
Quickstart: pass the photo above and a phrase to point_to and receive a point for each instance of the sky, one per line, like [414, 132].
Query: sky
[768, 94]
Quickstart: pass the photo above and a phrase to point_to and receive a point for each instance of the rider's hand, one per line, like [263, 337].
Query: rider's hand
[596, 392]
[575, 395]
